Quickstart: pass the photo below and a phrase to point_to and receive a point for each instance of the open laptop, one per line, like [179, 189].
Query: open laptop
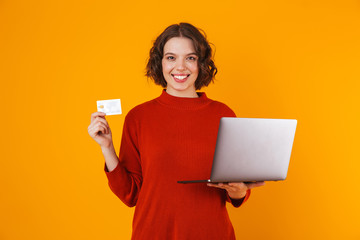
[251, 149]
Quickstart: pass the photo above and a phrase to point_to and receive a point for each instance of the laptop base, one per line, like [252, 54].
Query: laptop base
[208, 181]
[195, 181]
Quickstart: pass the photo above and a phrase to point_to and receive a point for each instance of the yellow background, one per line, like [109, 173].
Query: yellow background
[276, 59]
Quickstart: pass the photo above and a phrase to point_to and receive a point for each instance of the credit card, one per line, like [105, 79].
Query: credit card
[110, 107]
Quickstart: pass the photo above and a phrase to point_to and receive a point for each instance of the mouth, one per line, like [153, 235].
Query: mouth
[180, 78]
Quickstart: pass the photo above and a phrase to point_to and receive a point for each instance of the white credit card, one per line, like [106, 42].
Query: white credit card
[110, 107]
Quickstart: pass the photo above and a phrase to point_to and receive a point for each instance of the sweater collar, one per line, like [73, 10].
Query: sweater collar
[183, 102]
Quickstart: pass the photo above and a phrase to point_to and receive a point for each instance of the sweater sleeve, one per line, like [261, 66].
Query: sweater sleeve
[126, 179]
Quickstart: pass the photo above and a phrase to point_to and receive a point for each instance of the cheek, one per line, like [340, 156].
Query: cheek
[193, 67]
[163, 66]
[166, 67]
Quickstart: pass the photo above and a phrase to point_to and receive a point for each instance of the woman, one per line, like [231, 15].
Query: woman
[171, 138]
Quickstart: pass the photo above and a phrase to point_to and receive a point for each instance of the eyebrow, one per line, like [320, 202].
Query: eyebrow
[170, 53]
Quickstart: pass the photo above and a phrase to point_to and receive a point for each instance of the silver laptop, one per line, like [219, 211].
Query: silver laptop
[251, 149]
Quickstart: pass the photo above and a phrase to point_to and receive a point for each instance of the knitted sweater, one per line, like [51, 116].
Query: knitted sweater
[166, 140]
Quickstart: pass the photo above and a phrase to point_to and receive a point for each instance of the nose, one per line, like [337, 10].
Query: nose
[180, 65]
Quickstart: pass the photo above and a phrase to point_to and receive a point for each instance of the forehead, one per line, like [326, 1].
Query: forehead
[179, 45]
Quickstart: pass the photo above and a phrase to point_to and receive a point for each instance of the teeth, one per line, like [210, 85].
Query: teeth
[180, 77]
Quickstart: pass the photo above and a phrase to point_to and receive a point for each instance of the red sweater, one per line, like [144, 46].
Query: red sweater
[165, 140]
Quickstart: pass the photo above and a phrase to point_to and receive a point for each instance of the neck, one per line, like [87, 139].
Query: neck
[184, 94]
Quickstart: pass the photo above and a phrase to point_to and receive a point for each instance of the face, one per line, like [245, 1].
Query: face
[180, 67]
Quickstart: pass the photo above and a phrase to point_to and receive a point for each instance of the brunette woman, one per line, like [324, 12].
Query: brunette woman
[171, 138]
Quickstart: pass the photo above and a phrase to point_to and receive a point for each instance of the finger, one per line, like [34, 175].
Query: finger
[237, 184]
[215, 185]
[256, 184]
[98, 127]
[97, 114]
[100, 119]
[234, 188]
[97, 118]
[96, 122]
[104, 126]
[222, 186]
[94, 132]
[101, 129]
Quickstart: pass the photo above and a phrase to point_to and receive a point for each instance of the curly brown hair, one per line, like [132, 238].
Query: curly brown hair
[207, 68]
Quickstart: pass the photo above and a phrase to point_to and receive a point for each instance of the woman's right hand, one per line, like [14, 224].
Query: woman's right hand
[99, 130]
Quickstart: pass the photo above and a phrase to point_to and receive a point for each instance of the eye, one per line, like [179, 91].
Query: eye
[170, 58]
[192, 58]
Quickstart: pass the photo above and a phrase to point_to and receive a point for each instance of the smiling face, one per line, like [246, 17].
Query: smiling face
[180, 67]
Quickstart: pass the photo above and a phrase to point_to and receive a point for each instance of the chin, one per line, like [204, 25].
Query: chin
[181, 88]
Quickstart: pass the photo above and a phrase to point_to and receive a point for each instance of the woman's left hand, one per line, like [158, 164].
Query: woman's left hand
[237, 190]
